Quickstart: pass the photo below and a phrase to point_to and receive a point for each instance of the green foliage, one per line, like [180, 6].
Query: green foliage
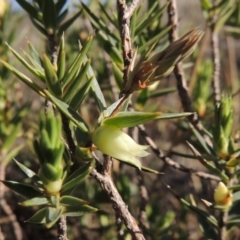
[79, 80]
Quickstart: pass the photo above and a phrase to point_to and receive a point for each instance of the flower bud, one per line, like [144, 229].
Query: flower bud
[3, 7]
[222, 196]
[162, 64]
[115, 143]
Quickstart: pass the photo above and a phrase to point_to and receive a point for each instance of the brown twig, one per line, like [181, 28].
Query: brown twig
[131, 9]
[170, 162]
[62, 228]
[179, 74]
[143, 192]
[124, 15]
[118, 204]
[216, 66]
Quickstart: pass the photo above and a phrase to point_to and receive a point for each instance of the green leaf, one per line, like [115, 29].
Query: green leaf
[208, 231]
[113, 52]
[75, 84]
[59, 5]
[71, 201]
[108, 112]
[206, 4]
[39, 217]
[68, 23]
[153, 40]
[149, 170]
[130, 119]
[52, 216]
[234, 188]
[74, 211]
[110, 19]
[76, 178]
[39, 74]
[99, 24]
[79, 97]
[23, 189]
[28, 8]
[173, 115]
[202, 141]
[208, 165]
[24, 79]
[61, 16]
[35, 202]
[222, 19]
[39, 27]
[150, 17]
[97, 92]
[69, 112]
[205, 215]
[77, 63]
[61, 59]
[49, 16]
[162, 92]
[26, 170]
[36, 58]
[51, 77]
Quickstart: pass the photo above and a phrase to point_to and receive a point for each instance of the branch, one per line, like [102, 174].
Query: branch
[216, 66]
[62, 228]
[124, 15]
[170, 162]
[119, 206]
[179, 74]
[143, 192]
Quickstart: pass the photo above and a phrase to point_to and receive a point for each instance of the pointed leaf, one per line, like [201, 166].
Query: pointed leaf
[75, 84]
[28, 8]
[39, 26]
[130, 119]
[51, 77]
[59, 5]
[68, 23]
[26, 170]
[61, 59]
[208, 165]
[34, 71]
[208, 217]
[74, 211]
[160, 35]
[24, 79]
[25, 190]
[162, 92]
[77, 63]
[79, 97]
[37, 60]
[71, 201]
[49, 16]
[52, 216]
[39, 217]
[69, 112]
[35, 202]
[74, 180]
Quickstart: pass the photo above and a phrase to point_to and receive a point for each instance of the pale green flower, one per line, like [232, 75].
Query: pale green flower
[117, 144]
